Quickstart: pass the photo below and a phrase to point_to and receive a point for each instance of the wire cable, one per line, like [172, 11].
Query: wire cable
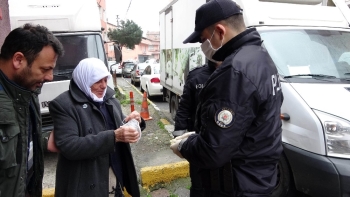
[128, 8]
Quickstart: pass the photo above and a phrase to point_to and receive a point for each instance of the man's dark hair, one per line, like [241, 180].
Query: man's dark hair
[29, 40]
[234, 22]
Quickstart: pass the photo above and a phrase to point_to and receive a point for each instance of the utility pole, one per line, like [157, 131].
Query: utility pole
[118, 22]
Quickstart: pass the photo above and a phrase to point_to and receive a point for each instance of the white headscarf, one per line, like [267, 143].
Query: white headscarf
[88, 72]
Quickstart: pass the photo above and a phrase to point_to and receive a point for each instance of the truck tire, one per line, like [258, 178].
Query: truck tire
[285, 181]
[173, 106]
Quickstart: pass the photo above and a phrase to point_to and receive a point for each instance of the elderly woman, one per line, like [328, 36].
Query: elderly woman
[90, 137]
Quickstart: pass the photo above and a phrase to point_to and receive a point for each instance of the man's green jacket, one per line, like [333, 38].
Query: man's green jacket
[15, 121]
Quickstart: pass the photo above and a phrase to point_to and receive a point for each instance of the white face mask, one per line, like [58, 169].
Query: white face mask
[208, 49]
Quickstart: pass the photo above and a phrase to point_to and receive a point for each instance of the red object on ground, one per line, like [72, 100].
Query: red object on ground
[144, 108]
[132, 104]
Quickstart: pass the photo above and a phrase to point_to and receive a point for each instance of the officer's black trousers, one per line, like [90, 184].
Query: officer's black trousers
[196, 187]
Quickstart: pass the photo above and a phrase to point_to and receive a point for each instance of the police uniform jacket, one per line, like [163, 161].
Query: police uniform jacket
[185, 114]
[85, 145]
[19, 109]
[239, 143]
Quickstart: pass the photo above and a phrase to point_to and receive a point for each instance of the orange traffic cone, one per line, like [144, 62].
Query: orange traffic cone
[144, 108]
[132, 104]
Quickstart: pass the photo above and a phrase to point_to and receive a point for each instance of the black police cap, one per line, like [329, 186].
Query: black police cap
[210, 13]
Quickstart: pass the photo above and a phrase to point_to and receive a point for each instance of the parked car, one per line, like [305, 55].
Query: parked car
[151, 61]
[136, 73]
[150, 81]
[113, 66]
[126, 68]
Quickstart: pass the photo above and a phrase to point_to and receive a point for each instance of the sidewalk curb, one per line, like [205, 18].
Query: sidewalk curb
[120, 93]
[49, 192]
[151, 176]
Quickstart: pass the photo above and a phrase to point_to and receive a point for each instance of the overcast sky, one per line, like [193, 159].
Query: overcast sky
[145, 13]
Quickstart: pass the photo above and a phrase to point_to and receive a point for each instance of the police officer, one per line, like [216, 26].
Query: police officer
[185, 114]
[239, 142]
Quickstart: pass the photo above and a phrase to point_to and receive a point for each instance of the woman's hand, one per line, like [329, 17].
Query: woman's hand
[133, 115]
[126, 134]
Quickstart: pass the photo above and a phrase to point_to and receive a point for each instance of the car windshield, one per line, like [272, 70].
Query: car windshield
[309, 53]
[76, 47]
[130, 65]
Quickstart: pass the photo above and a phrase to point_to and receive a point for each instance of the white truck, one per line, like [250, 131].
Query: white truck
[309, 42]
[78, 27]
[176, 59]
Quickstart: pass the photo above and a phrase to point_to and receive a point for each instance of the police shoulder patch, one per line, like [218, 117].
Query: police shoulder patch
[224, 117]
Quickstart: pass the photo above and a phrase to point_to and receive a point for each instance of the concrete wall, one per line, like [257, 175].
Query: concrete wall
[5, 27]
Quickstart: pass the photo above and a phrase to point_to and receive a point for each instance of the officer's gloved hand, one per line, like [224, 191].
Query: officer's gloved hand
[185, 135]
[174, 143]
[175, 146]
[182, 136]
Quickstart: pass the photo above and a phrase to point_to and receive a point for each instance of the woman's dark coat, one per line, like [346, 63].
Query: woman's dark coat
[85, 145]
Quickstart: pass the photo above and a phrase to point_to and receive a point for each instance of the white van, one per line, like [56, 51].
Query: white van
[310, 45]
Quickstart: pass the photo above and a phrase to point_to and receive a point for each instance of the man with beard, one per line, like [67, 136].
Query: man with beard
[27, 59]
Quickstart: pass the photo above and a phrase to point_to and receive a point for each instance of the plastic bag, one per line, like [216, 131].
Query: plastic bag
[134, 123]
